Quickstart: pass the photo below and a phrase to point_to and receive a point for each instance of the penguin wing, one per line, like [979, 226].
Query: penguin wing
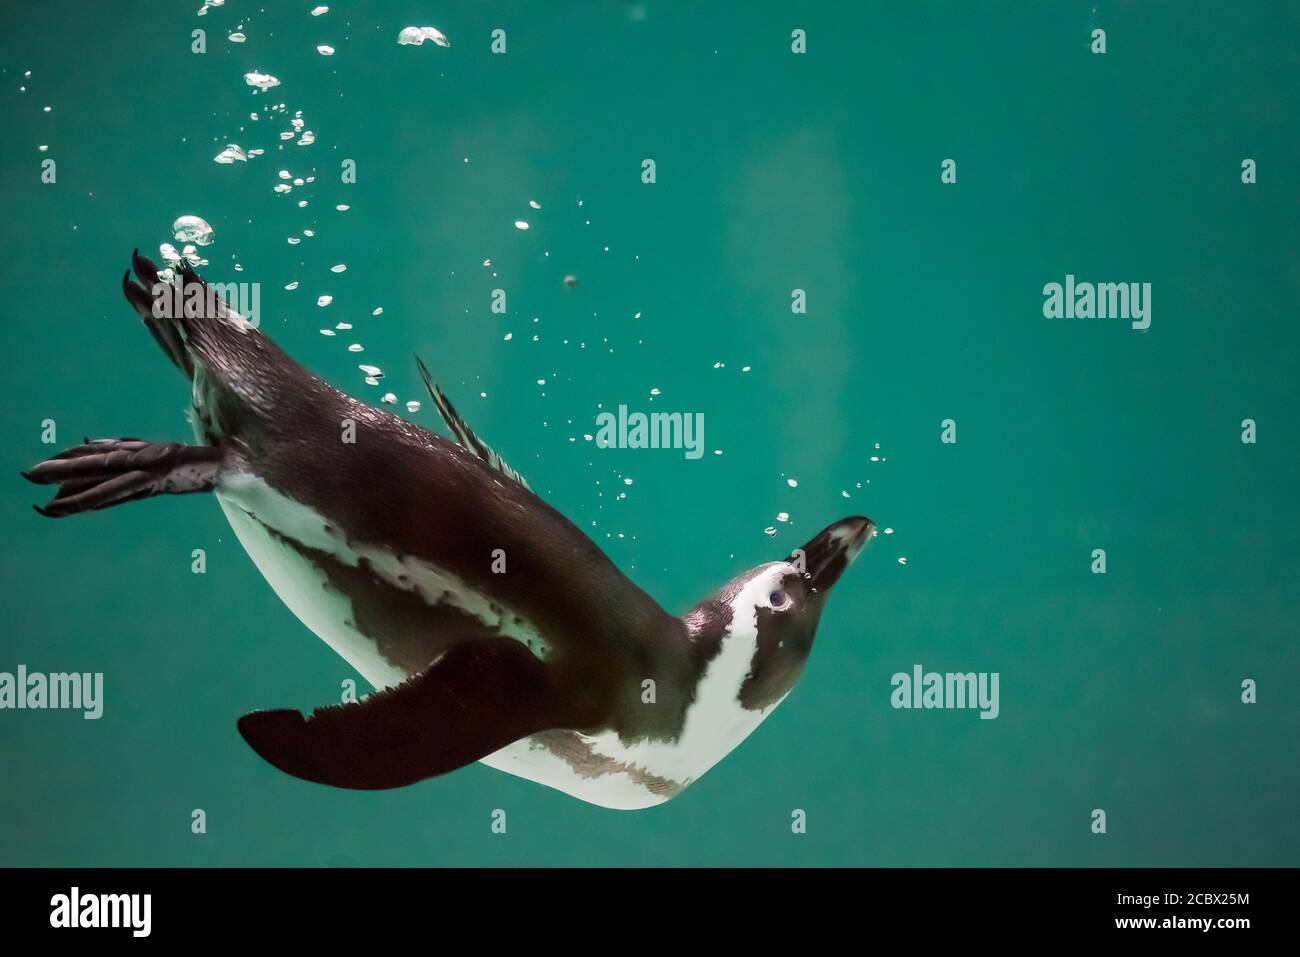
[464, 434]
[475, 699]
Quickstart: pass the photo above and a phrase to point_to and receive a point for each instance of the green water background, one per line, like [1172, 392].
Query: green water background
[774, 171]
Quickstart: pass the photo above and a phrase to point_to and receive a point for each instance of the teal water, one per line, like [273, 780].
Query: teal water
[774, 172]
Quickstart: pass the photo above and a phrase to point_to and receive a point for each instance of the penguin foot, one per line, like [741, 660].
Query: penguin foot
[108, 472]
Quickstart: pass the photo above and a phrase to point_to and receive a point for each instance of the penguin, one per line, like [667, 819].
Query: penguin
[491, 627]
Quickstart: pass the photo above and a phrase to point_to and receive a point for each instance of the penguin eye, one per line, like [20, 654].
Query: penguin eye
[778, 599]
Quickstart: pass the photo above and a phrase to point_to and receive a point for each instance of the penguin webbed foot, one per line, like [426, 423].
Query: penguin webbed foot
[106, 472]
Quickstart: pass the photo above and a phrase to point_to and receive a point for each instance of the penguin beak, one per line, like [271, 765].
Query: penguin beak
[827, 555]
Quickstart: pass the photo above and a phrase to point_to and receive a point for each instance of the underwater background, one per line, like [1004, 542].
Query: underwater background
[775, 171]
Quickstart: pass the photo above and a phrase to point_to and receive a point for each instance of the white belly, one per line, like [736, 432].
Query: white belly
[304, 588]
[252, 507]
[613, 788]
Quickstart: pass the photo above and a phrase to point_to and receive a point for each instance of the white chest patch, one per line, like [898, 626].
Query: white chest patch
[640, 774]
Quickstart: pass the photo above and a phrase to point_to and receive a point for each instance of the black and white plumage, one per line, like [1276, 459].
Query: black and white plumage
[384, 547]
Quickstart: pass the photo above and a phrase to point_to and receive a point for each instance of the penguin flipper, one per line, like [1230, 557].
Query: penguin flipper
[475, 699]
[464, 434]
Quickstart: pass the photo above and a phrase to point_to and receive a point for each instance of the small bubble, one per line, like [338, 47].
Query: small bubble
[233, 153]
[192, 229]
[263, 81]
[415, 36]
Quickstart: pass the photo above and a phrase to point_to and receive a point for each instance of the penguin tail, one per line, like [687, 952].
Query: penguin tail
[154, 299]
[189, 318]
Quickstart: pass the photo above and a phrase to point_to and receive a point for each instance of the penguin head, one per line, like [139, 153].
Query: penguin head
[774, 610]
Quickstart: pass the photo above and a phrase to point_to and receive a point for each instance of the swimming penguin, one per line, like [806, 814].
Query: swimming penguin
[493, 629]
